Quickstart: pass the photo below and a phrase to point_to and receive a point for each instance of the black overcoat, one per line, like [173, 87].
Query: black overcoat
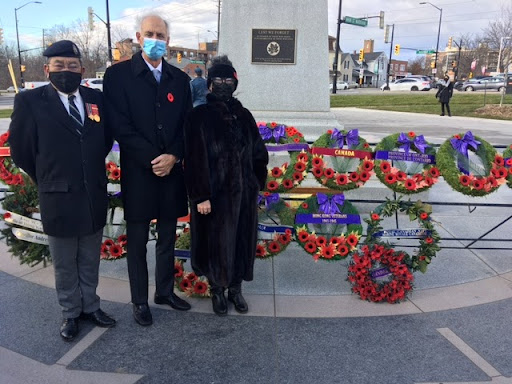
[147, 120]
[226, 163]
[68, 167]
[445, 93]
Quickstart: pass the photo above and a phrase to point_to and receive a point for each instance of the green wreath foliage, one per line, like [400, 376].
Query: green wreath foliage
[428, 246]
[340, 178]
[331, 243]
[23, 200]
[400, 177]
[507, 154]
[490, 178]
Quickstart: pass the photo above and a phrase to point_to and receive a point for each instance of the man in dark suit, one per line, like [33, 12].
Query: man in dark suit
[147, 100]
[58, 137]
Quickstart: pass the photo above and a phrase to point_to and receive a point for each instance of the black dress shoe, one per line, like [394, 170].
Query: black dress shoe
[219, 303]
[174, 301]
[100, 318]
[238, 301]
[69, 328]
[142, 314]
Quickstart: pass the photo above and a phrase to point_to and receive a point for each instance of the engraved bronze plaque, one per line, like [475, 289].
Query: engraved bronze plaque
[273, 46]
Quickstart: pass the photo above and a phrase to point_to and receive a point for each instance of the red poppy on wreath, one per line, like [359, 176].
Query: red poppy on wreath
[329, 173]
[375, 217]
[115, 174]
[108, 243]
[465, 180]
[368, 165]
[274, 246]
[423, 215]
[321, 240]
[185, 284]
[410, 184]
[178, 270]
[285, 238]
[304, 205]
[7, 215]
[318, 172]
[298, 176]
[429, 240]
[260, 251]
[200, 288]
[122, 239]
[385, 167]
[341, 179]
[116, 251]
[272, 185]
[276, 172]
[390, 178]
[327, 251]
[317, 162]
[288, 184]
[310, 247]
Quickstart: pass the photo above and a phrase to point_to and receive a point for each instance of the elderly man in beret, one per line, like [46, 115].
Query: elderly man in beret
[59, 138]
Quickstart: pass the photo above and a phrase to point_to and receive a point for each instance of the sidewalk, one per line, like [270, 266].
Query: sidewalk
[304, 325]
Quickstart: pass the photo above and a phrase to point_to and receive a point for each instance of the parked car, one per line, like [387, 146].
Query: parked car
[353, 84]
[491, 83]
[35, 84]
[339, 86]
[424, 77]
[94, 83]
[408, 84]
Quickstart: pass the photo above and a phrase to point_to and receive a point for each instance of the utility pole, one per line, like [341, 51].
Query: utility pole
[218, 24]
[109, 40]
[336, 52]
[390, 55]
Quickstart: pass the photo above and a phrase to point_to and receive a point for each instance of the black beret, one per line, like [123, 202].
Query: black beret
[62, 48]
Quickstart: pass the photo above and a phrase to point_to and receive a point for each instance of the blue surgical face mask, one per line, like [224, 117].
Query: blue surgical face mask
[154, 48]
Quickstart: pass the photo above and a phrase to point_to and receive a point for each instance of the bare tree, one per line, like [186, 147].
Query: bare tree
[497, 31]
[417, 66]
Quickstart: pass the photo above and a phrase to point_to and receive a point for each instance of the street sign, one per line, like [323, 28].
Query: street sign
[425, 52]
[434, 71]
[355, 21]
[361, 73]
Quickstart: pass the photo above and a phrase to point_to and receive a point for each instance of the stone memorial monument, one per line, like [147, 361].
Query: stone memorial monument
[280, 51]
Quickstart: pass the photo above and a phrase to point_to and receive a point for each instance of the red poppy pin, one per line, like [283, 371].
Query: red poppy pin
[170, 97]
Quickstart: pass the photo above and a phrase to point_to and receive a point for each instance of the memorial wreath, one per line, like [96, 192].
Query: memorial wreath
[279, 138]
[428, 236]
[405, 163]
[476, 176]
[328, 215]
[351, 157]
[279, 232]
[378, 273]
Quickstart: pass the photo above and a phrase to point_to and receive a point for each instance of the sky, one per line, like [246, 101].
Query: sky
[191, 21]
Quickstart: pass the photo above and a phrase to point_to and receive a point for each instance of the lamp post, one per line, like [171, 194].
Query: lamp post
[499, 54]
[438, 30]
[22, 82]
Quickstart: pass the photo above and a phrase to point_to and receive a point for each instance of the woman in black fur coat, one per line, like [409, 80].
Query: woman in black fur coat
[225, 167]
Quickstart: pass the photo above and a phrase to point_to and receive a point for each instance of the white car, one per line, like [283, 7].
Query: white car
[407, 84]
[94, 83]
[339, 86]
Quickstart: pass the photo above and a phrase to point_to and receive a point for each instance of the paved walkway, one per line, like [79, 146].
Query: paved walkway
[304, 326]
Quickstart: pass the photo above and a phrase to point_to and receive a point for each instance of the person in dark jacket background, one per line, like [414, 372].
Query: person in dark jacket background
[59, 138]
[199, 88]
[444, 94]
[225, 167]
[147, 100]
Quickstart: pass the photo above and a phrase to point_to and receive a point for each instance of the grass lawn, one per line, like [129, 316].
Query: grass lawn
[5, 113]
[461, 104]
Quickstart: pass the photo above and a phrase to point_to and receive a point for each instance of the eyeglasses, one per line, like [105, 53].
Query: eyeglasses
[220, 80]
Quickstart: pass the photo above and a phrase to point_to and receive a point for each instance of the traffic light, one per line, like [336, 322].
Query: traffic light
[1, 36]
[450, 42]
[397, 49]
[90, 13]
[386, 34]
[381, 20]
[470, 76]
[454, 63]
[432, 64]
[23, 68]
[178, 57]
[361, 55]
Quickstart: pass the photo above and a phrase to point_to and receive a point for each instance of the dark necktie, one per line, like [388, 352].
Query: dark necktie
[74, 113]
[157, 75]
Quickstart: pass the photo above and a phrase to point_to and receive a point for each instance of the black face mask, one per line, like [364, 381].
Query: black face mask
[223, 91]
[65, 81]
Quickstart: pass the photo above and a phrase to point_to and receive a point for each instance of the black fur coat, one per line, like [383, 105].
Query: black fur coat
[226, 163]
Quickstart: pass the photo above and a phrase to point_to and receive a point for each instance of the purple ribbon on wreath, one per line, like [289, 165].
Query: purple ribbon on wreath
[351, 138]
[462, 146]
[267, 133]
[419, 142]
[329, 206]
[273, 198]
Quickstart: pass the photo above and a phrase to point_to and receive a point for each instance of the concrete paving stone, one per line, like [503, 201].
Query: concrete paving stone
[498, 260]
[485, 328]
[296, 273]
[475, 226]
[5, 277]
[30, 317]
[463, 295]
[11, 264]
[452, 267]
[187, 347]
[399, 349]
